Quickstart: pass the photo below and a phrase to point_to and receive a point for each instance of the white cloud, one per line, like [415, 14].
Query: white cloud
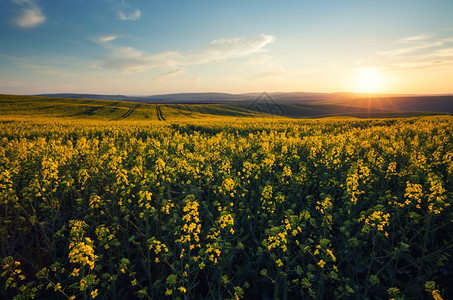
[416, 48]
[414, 38]
[133, 15]
[445, 52]
[223, 49]
[128, 60]
[30, 14]
[425, 52]
[108, 38]
[128, 13]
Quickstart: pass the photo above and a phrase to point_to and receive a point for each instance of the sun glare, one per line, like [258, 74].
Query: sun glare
[369, 80]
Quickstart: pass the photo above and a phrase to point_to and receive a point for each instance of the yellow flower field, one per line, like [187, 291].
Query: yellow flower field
[227, 209]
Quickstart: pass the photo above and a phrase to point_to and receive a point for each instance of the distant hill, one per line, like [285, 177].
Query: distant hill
[200, 98]
[90, 96]
[165, 98]
[211, 97]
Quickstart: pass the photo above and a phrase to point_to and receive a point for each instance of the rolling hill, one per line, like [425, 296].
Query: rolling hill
[217, 105]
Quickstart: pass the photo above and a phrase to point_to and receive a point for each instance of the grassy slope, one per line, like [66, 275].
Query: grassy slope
[32, 107]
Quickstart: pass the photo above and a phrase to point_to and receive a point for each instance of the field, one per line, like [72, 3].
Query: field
[115, 200]
[38, 107]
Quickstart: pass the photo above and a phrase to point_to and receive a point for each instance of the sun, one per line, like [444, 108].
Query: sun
[369, 80]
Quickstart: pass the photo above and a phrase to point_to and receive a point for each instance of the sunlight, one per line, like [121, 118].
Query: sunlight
[369, 80]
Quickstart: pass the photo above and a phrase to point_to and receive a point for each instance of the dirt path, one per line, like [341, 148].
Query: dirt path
[129, 112]
[159, 114]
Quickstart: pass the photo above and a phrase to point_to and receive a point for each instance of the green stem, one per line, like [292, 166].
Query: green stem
[423, 250]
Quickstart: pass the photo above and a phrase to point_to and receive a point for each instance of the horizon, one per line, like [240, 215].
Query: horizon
[133, 48]
[372, 95]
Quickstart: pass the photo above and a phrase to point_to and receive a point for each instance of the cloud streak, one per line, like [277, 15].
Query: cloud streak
[414, 38]
[30, 14]
[423, 51]
[106, 39]
[415, 48]
[129, 60]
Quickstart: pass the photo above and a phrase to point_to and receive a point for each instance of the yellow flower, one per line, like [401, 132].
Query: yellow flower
[228, 184]
[75, 272]
[321, 263]
[94, 293]
[83, 284]
[225, 220]
[331, 254]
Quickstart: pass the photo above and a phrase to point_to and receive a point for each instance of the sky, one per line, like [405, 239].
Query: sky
[147, 47]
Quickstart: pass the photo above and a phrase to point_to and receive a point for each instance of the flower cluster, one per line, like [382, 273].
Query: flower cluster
[12, 272]
[375, 219]
[192, 227]
[277, 238]
[226, 219]
[158, 247]
[81, 247]
[437, 200]
[82, 253]
[430, 287]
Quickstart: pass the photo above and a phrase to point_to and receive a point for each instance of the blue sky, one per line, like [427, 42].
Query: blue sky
[149, 47]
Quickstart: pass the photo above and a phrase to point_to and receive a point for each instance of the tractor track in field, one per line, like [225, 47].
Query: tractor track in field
[181, 111]
[129, 112]
[159, 114]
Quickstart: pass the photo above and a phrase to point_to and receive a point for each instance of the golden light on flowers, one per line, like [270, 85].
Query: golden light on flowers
[157, 246]
[377, 219]
[213, 251]
[310, 197]
[81, 247]
[82, 253]
[191, 229]
[226, 220]
[75, 272]
[413, 194]
[277, 238]
[431, 287]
